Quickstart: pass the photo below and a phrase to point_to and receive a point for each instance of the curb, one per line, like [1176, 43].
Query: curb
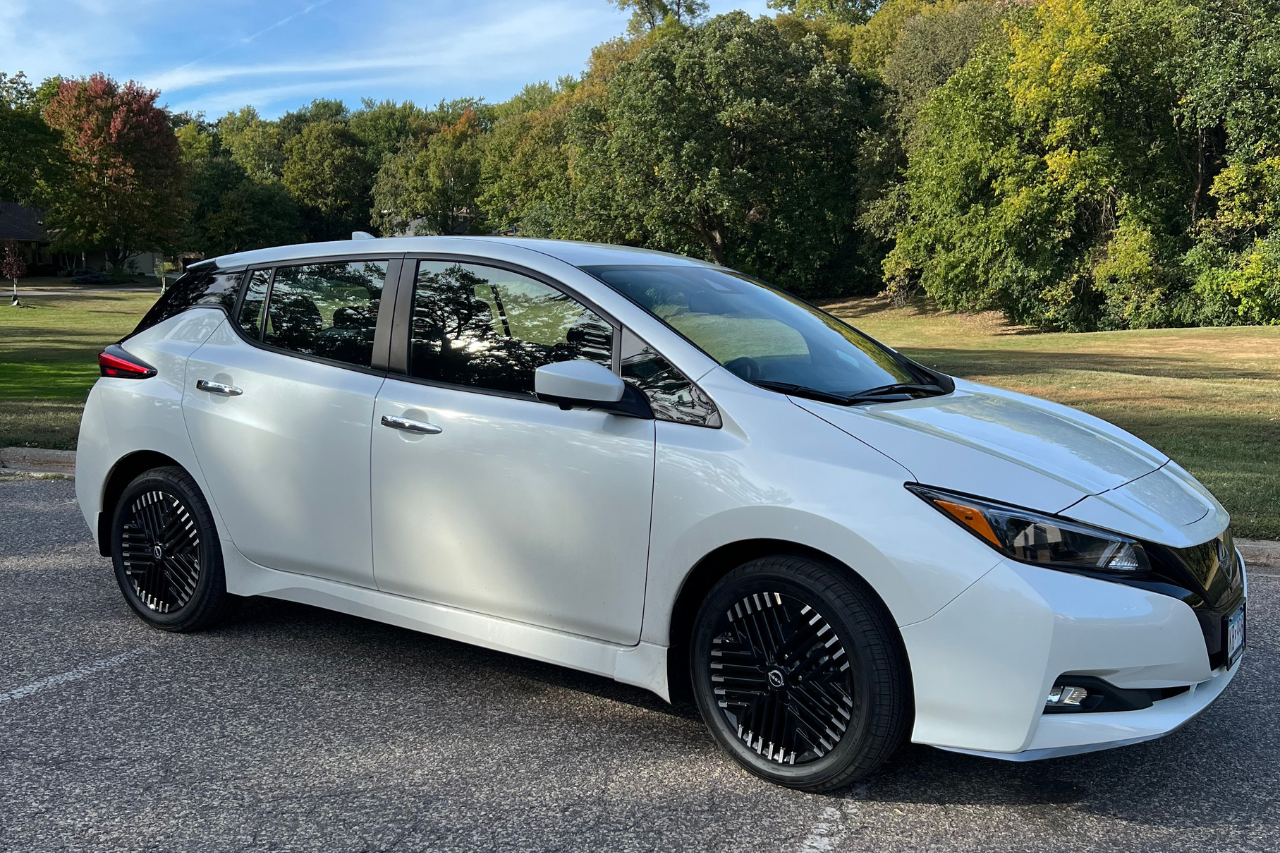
[1259, 552]
[35, 460]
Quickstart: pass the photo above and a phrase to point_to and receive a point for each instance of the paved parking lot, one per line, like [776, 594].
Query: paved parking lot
[296, 729]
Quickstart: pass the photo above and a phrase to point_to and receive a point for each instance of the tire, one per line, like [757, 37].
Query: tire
[799, 673]
[165, 548]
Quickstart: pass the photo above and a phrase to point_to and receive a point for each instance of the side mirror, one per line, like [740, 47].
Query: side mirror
[588, 385]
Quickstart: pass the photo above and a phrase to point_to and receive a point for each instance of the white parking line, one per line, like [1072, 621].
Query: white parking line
[70, 675]
[825, 834]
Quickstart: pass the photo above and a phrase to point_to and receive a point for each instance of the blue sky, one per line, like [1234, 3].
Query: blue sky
[280, 54]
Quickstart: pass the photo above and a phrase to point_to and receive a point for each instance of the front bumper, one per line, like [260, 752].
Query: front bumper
[983, 665]
[1058, 735]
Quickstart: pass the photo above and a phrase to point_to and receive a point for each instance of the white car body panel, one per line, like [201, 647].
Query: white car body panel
[287, 462]
[330, 508]
[998, 444]
[125, 416]
[641, 664]
[775, 472]
[516, 509]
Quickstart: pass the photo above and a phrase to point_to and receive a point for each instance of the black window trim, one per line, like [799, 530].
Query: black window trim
[216, 306]
[382, 331]
[402, 323]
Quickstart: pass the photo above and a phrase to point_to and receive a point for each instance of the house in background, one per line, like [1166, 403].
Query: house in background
[24, 227]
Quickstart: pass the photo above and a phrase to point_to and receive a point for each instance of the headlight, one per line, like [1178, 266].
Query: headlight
[1043, 540]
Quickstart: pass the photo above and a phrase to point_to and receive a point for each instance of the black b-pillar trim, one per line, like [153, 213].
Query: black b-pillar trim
[402, 318]
[386, 313]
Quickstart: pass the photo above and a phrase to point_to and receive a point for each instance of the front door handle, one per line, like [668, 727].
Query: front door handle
[420, 427]
[218, 388]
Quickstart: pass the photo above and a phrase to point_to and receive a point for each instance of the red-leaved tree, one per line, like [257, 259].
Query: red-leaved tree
[13, 267]
[125, 193]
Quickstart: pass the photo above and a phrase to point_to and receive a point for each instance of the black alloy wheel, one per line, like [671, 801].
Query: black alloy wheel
[799, 674]
[165, 549]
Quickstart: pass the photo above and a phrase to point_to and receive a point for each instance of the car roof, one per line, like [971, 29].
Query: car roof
[571, 252]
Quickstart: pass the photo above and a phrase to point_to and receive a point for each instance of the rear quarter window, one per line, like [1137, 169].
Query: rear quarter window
[197, 288]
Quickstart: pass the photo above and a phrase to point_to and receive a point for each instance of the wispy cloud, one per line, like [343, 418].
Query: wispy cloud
[277, 54]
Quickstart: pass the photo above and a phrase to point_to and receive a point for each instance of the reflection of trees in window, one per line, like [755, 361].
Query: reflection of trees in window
[671, 395]
[488, 328]
[327, 310]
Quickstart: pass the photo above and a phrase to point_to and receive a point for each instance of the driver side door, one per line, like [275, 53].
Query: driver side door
[499, 503]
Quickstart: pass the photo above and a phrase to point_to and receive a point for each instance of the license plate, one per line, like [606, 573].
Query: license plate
[1235, 636]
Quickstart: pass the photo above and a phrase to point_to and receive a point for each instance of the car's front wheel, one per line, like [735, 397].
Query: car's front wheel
[799, 673]
[165, 549]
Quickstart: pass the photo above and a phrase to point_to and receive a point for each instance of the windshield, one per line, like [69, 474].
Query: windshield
[759, 333]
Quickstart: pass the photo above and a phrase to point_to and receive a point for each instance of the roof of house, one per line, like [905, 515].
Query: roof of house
[20, 223]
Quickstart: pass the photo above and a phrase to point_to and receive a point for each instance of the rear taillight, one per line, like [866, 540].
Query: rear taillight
[115, 361]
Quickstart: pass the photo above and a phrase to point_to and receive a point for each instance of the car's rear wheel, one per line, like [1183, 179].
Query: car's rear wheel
[799, 673]
[165, 549]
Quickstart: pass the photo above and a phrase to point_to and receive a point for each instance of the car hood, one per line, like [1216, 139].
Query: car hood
[1000, 445]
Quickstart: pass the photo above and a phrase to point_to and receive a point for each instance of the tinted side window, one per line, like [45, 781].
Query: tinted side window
[326, 310]
[206, 287]
[671, 395]
[255, 296]
[490, 328]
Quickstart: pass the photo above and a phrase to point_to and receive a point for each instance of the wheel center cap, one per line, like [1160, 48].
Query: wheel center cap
[157, 551]
[776, 678]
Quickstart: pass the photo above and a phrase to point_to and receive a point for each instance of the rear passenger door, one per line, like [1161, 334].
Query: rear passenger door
[279, 406]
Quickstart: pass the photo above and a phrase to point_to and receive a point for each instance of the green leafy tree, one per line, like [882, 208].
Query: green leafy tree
[126, 188]
[432, 187]
[31, 162]
[327, 172]
[1047, 180]
[255, 145]
[729, 141]
[384, 126]
[320, 110]
[649, 15]
[844, 11]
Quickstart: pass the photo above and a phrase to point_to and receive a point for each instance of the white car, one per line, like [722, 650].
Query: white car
[664, 472]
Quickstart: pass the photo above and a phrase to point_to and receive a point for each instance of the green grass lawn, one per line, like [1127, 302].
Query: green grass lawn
[48, 361]
[1210, 398]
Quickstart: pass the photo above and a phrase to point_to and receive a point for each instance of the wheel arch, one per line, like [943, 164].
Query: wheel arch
[719, 562]
[122, 474]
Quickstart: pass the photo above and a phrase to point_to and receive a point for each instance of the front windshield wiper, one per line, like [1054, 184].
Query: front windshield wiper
[906, 390]
[802, 391]
[901, 389]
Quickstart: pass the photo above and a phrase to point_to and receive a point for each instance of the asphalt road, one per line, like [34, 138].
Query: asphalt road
[293, 728]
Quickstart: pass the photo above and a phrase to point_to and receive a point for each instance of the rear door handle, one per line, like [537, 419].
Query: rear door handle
[218, 388]
[420, 427]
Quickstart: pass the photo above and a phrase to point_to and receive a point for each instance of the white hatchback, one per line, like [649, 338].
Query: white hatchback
[667, 473]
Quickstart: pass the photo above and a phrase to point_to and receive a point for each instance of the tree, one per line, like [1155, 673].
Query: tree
[328, 173]
[384, 126]
[728, 141]
[844, 11]
[1047, 181]
[320, 110]
[432, 188]
[255, 145]
[13, 267]
[126, 184]
[30, 159]
[648, 15]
